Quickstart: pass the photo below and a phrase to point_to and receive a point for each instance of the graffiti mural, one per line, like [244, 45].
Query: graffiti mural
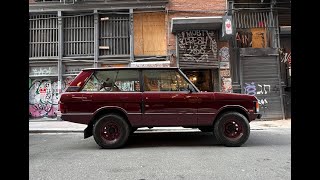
[197, 45]
[66, 82]
[43, 98]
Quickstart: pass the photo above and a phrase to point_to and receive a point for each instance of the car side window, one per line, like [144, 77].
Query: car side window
[164, 80]
[113, 81]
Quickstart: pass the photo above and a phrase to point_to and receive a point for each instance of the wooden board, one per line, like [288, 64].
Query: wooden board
[149, 34]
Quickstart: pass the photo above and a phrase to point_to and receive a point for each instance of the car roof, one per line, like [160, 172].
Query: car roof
[110, 68]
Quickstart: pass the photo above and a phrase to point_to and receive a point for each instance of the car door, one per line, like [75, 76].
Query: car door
[166, 99]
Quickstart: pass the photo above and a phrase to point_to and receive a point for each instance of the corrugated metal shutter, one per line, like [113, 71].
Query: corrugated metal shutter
[260, 77]
[198, 49]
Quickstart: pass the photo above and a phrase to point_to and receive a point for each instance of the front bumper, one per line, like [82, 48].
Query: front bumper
[259, 116]
[59, 116]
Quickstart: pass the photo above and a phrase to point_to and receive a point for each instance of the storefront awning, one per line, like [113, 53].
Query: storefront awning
[196, 23]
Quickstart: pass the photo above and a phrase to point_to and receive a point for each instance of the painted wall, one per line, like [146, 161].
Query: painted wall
[43, 98]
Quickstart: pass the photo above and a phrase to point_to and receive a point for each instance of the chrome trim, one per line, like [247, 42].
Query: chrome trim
[79, 114]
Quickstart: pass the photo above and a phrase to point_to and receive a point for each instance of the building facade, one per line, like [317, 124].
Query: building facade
[69, 35]
[260, 53]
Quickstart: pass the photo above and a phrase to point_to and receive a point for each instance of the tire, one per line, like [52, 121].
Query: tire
[111, 131]
[232, 129]
[206, 129]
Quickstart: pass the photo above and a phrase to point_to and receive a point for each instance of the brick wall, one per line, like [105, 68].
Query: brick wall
[197, 5]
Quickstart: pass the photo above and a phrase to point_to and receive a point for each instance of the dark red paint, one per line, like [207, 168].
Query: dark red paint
[169, 108]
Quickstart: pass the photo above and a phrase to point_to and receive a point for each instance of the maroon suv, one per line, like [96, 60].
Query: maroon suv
[114, 102]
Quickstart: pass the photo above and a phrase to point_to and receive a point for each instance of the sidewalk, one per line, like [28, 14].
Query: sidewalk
[48, 125]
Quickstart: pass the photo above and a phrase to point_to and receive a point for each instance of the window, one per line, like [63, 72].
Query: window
[114, 81]
[164, 80]
[43, 37]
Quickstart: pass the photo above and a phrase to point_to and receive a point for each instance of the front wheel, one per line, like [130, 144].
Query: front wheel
[111, 131]
[232, 129]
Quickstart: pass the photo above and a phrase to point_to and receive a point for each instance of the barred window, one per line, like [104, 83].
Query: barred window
[43, 37]
[114, 35]
[78, 35]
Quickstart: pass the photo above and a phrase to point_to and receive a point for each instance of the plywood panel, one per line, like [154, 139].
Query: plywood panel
[137, 31]
[150, 34]
[259, 38]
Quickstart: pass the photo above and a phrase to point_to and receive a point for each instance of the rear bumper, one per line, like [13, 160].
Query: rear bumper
[81, 118]
[58, 115]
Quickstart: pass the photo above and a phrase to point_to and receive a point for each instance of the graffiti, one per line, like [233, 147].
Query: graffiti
[66, 82]
[250, 88]
[197, 45]
[224, 54]
[43, 98]
[226, 85]
[264, 88]
[244, 39]
[285, 56]
[43, 70]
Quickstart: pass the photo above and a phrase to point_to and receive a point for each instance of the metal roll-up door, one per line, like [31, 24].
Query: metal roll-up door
[260, 77]
[197, 49]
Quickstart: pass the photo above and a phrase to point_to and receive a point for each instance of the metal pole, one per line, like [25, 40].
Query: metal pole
[131, 36]
[96, 38]
[60, 50]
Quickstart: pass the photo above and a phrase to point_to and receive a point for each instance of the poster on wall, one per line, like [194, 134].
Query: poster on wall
[225, 73]
[226, 86]
[151, 64]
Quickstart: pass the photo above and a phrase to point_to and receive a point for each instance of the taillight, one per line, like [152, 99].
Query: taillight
[257, 106]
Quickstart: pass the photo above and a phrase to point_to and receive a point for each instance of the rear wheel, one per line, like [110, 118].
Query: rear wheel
[232, 129]
[111, 131]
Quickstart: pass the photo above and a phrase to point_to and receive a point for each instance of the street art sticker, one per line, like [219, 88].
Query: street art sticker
[285, 56]
[224, 54]
[251, 89]
[225, 73]
[43, 98]
[226, 85]
[197, 45]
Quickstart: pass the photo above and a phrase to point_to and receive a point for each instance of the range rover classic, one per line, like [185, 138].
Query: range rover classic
[115, 102]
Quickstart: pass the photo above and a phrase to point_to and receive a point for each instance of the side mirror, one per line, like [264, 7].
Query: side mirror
[190, 88]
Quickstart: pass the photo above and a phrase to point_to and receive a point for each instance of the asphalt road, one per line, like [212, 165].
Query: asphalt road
[173, 155]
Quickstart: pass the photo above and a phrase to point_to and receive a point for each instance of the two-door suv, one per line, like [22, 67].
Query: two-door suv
[114, 102]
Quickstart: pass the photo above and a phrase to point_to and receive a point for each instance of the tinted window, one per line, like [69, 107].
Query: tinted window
[164, 80]
[113, 81]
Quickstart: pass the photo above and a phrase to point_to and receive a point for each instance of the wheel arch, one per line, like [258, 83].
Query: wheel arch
[103, 111]
[239, 109]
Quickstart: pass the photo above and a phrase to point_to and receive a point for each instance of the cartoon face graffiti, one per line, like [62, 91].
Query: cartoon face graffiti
[43, 98]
